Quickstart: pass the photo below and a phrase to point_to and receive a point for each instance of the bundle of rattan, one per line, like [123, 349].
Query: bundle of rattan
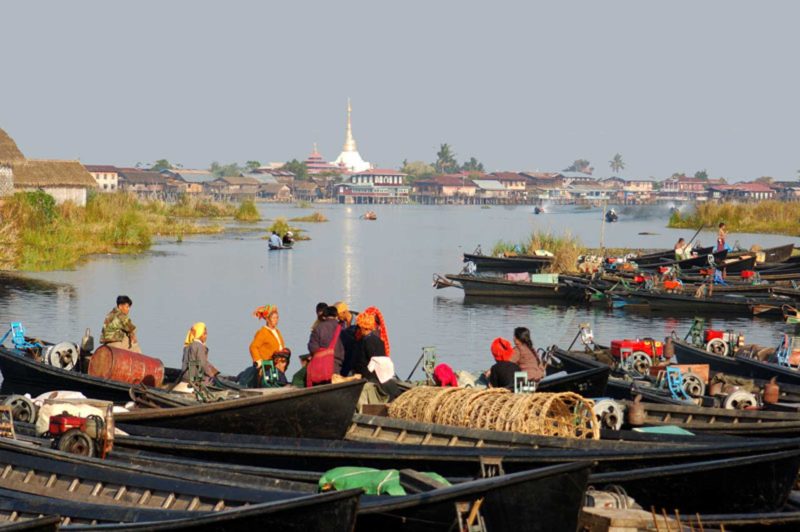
[550, 414]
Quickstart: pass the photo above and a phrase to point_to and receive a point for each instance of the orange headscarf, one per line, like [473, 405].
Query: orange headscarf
[375, 315]
[502, 350]
[263, 313]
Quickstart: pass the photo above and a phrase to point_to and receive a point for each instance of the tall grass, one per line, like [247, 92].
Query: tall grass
[281, 226]
[565, 249]
[767, 216]
[38, 235]
[315, 217]
[247, 212]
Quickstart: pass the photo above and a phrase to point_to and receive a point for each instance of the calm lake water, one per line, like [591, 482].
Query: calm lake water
[387, 263]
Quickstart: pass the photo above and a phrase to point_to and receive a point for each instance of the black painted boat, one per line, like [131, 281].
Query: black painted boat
[716, 486]
[700, 261]
[482, 286]
[319, 412]
[667, 255]
[715, 304]
[686, 353]
[455, 461]
[589, 382]
[47, 523]
[766, 370]
[518, 263]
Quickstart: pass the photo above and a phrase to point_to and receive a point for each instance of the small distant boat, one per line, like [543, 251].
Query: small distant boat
[611, 216]
[278, 248]
[369, 215]
[538, 210]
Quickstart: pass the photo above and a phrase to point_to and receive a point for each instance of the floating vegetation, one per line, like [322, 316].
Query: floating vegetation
[315, 217]
[768, 216]
[247, 212]
[565, 249]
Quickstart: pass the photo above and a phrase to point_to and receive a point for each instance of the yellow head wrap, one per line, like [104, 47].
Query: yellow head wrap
[195, 332]
[344, 312]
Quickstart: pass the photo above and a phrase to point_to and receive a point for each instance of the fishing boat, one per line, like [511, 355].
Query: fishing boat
[700, 261]
[482, 286]
[318, 412]
[516, 263]
[448, 460]
[33, 523]
[715, 304]
[686, 353]
[589, 382]
[538, 210]
[612, 216]
[667, 255]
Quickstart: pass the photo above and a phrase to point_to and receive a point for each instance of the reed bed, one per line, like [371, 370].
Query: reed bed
[565, 249]
[39, 235]
[315, 217]
[247, 212]
[769, 216]
[566, 415]
[281, 226]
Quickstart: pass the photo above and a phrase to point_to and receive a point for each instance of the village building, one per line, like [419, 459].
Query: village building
[274, 192]
[741, 192]
[784, 190]
[683, 187]
[491, 191]
[448, 188]
[381, 185]
[64, 180]
[144, 183]
[349, 158]
[613, 182]
[233, 187]
[106, 176]
[315, 164]
[306, 191]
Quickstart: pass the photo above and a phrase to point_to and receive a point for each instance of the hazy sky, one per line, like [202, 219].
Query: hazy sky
[672, 86]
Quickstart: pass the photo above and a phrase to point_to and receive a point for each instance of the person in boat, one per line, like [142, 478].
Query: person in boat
[321, 306]
[348, 336]
[281, 362]
[195, 350]
[525, 355]
[501, 375]
[722, 236]
[682, 251]
[288, 239]
[371, 359]
[118, 329]
[299, 377]
[444, 376]
[268, 339]
[328, 334]
[275, 241]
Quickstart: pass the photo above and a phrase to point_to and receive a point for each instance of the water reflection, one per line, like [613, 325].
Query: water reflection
[220, 279]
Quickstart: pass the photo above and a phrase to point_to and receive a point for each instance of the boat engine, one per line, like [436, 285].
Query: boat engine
[83, 436]
[610, 413]
[637, 355]
[740, 400]
[63, 355]
[722, 343]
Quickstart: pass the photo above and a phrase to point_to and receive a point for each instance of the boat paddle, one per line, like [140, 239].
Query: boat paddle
[696, 233]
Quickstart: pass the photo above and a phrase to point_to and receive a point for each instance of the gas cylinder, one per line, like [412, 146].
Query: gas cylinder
[636, 412]
[121, 365]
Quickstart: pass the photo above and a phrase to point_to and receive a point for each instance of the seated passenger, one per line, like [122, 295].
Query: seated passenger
[195, 350]
[501, 375]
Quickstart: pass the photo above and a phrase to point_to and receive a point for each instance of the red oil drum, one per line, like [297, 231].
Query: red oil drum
[122, 365]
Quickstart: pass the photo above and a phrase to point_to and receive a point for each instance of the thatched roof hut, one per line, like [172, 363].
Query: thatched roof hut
[8, 148]
[51, 174]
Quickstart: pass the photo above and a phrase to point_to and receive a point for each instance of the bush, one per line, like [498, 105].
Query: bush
[247, 212]
[315, 217]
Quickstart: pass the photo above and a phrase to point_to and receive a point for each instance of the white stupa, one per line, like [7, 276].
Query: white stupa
[350, 158]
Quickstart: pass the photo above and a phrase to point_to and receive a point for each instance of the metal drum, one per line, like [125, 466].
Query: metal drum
[122, 365]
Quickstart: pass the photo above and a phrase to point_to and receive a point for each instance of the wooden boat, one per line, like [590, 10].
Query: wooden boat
[715, 304]
[319, 412]
[766, 370]
[455, 461]
[47, 523]
[721, 420]
[785, 521]
[713, 486]
[667, 255]
[480, 286]
[280, 248]
[685, 264]
[777, 254]
[518, 263]
[587, 382]
[612, 216]
[687, 353]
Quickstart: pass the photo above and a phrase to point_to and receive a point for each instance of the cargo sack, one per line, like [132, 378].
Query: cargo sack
[248, 378]
[371, 481]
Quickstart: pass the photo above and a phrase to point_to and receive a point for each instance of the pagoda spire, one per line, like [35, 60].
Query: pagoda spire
[349, 141]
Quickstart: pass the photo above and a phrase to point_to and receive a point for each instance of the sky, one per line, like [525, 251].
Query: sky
[675, 86]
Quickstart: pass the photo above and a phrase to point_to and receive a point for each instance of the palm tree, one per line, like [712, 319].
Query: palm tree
[616, 163]
[446, 160]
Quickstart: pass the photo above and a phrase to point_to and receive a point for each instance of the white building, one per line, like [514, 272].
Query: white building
[350, 158]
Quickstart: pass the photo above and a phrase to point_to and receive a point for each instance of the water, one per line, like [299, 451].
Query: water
[387, 263]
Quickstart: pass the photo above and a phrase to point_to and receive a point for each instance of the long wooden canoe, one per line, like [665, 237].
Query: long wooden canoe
[520, 263]
[319, 412]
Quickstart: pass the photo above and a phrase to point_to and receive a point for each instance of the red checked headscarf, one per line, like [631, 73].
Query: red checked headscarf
[502, 350]
[263, 313]
[379, 323]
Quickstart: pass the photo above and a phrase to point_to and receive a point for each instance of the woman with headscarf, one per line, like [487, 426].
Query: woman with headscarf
[501, 375]
[369, 346]
[268, 339]
[348, 336]
[525, 355]
[195, 350]
[327, 334]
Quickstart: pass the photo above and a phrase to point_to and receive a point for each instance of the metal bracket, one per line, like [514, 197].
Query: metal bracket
[522, 384]
[491, 466]
[696, 331]
[429, 363]
[468, 516]
[675, 384]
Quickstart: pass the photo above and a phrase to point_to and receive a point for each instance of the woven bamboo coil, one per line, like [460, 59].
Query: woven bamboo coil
[548, 414]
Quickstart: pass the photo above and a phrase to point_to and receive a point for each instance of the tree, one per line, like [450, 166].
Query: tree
[446, 160]
[766, 180]
[616, 163]
[299, 169]
[252, 165]
[161, 164]
[472, 166]
[417, 170]
[702, 174]
[223, 170]
[580, 165]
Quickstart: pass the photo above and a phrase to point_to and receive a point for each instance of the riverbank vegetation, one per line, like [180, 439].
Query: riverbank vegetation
[565, 248]
[769, 216]
[247, 212]
[316, 217]
[281, 226]
[38, 235]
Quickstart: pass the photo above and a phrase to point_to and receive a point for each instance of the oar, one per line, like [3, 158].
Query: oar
[416, 365]
[697, 233]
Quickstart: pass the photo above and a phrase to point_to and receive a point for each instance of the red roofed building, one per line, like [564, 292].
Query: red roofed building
[378, 185]
[107, 176]
[446, 188]
[317, 165]
[742, 191]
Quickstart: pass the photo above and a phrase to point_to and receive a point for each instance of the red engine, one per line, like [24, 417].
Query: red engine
[63, 422]
[651, 347]
[710, 334]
